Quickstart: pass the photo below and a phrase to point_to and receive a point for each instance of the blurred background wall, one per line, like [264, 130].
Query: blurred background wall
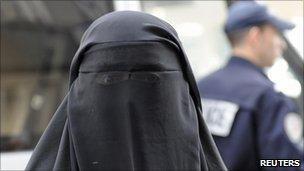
[39, 39]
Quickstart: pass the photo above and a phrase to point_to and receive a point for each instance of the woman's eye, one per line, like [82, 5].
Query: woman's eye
[111, 78]
[148, 77]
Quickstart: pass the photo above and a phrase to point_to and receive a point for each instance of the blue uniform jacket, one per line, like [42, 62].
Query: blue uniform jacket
[247, 117]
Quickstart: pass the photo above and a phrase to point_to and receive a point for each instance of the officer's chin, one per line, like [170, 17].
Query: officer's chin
[273, 59]
[269, 63]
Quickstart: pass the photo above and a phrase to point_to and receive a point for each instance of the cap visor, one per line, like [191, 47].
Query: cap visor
[281, 24]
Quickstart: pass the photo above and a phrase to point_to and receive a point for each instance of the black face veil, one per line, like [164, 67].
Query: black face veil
[132, 104]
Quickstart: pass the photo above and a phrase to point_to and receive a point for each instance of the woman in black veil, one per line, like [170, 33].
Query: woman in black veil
[132, 103]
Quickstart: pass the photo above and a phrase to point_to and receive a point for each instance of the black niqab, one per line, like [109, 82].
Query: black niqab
[132, 104]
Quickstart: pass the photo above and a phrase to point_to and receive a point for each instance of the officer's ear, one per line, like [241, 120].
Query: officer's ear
[254, 35]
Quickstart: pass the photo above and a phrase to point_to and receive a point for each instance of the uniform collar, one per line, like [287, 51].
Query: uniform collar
[239, 61]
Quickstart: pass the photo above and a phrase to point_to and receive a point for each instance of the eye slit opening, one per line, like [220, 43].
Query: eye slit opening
[112, 78]
[145, 76]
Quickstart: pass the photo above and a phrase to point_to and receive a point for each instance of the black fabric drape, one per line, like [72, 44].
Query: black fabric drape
[132, 104]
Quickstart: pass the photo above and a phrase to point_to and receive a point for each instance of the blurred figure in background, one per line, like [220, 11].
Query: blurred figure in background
[248, 118]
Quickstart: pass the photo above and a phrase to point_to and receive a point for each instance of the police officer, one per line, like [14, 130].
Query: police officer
[249, 119]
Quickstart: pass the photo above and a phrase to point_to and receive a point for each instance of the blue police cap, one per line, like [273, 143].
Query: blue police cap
[243, 14]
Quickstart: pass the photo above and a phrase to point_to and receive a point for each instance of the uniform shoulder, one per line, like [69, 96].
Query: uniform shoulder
[228, 77]
[241, 86]
[271, 95]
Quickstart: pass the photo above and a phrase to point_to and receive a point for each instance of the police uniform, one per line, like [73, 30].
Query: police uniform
[248, 118]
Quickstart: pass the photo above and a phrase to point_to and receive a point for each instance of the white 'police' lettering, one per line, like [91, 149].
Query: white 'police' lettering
[219, 116]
